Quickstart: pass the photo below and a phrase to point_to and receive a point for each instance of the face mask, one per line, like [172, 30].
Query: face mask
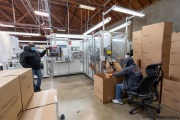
[33, 48]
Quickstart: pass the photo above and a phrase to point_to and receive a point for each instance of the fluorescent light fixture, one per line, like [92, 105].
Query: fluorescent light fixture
[21, 33]
[27, 36]
[87, 7]
[25, 41]
[2, 25]
[40, 13]
[47, 28]
[119, 27]
[71, 36]
[127, 11]
[61, 30]
[108, 19]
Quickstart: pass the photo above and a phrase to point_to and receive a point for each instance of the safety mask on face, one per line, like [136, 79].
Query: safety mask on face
[33, 48]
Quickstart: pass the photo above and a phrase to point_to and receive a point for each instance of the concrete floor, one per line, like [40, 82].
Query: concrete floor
[77, 101]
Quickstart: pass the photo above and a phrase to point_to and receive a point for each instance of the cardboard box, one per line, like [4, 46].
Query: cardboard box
[174, 70]
[43, 98]
[175, 36]
[48, 112]
[175, 58]
[26, 83]
[156, 43]
[10, 98]
[104, 87]
[137, 61]
[137, 41]
[170, 94]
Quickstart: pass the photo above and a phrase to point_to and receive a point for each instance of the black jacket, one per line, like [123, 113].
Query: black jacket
[132, 73]
[31, 59]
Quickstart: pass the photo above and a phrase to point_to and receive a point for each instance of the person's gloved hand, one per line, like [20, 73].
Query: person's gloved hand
[110, 75]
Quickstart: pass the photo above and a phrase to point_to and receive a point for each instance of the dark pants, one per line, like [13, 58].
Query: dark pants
[39, 75]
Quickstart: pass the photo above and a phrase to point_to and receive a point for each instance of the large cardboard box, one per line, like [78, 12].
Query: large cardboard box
[26, 83]
[137, 61]
[43, 98]
[156, 43]
[48, 112]
[104, 87]
[137, 39]
[10, 98]
[170, 94]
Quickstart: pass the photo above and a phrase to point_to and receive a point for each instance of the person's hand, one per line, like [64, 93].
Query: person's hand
[110, 75]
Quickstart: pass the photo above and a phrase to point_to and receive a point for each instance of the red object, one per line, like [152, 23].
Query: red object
[70, 43]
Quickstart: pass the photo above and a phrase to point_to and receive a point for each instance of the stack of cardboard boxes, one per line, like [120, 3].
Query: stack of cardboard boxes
[171, 87]
[156, 41]
[18, 98]
[137, 47]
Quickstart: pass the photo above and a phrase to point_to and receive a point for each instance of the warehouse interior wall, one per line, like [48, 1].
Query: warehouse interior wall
[162, 11]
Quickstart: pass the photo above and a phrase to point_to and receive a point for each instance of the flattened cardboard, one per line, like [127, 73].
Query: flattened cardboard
[42, 98]
[10, 98]
[170, 94]
[26, 83]
[48, 112]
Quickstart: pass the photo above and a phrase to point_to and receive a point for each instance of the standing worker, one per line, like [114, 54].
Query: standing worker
[133, 77]
[31, 58]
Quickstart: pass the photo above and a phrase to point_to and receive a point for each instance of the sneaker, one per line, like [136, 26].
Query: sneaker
[118, 101]
[130, 98]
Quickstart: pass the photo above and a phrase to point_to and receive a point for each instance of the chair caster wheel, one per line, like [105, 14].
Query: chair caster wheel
[130, 112]
[129, 102]
[152, 118]
[158, 111]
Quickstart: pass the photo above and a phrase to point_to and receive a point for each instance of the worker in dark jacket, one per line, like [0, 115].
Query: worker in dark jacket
[133, 77]
[31, 58]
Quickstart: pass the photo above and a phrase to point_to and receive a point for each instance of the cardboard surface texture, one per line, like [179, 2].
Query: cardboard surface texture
[156, 44]
[104, 87]
[137, 41]
[170, 94]
[43, 98]
[26, 83]
[43, 113]
[10, 98]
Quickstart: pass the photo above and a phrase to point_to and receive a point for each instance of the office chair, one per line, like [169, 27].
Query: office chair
[148, 90]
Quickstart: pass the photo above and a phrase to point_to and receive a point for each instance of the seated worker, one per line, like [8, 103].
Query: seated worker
[133, 77]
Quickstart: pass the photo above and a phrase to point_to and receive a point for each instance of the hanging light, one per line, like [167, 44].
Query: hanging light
[108, 19]
[41, 13]
[127, 11]
[3, 25]
[120, 27]
[21, 33]
[86, 7]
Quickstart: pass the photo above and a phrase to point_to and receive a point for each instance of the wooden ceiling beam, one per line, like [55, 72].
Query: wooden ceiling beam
[56, 19]
[22, 17]
[140, 3]
[73, 14]
[6, 15]
[95, 14]
[10, 2]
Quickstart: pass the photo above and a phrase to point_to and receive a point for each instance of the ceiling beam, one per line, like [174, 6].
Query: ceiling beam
[23, 17]
[6, 15]
[56, 19]
[10, 2]
[140, 3]
[72, 15]
[94, 14]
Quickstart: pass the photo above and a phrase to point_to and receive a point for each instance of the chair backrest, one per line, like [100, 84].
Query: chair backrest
[150, 83]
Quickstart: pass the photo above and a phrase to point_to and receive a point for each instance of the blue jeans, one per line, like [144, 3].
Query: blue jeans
[39, 75]
[119, 91]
